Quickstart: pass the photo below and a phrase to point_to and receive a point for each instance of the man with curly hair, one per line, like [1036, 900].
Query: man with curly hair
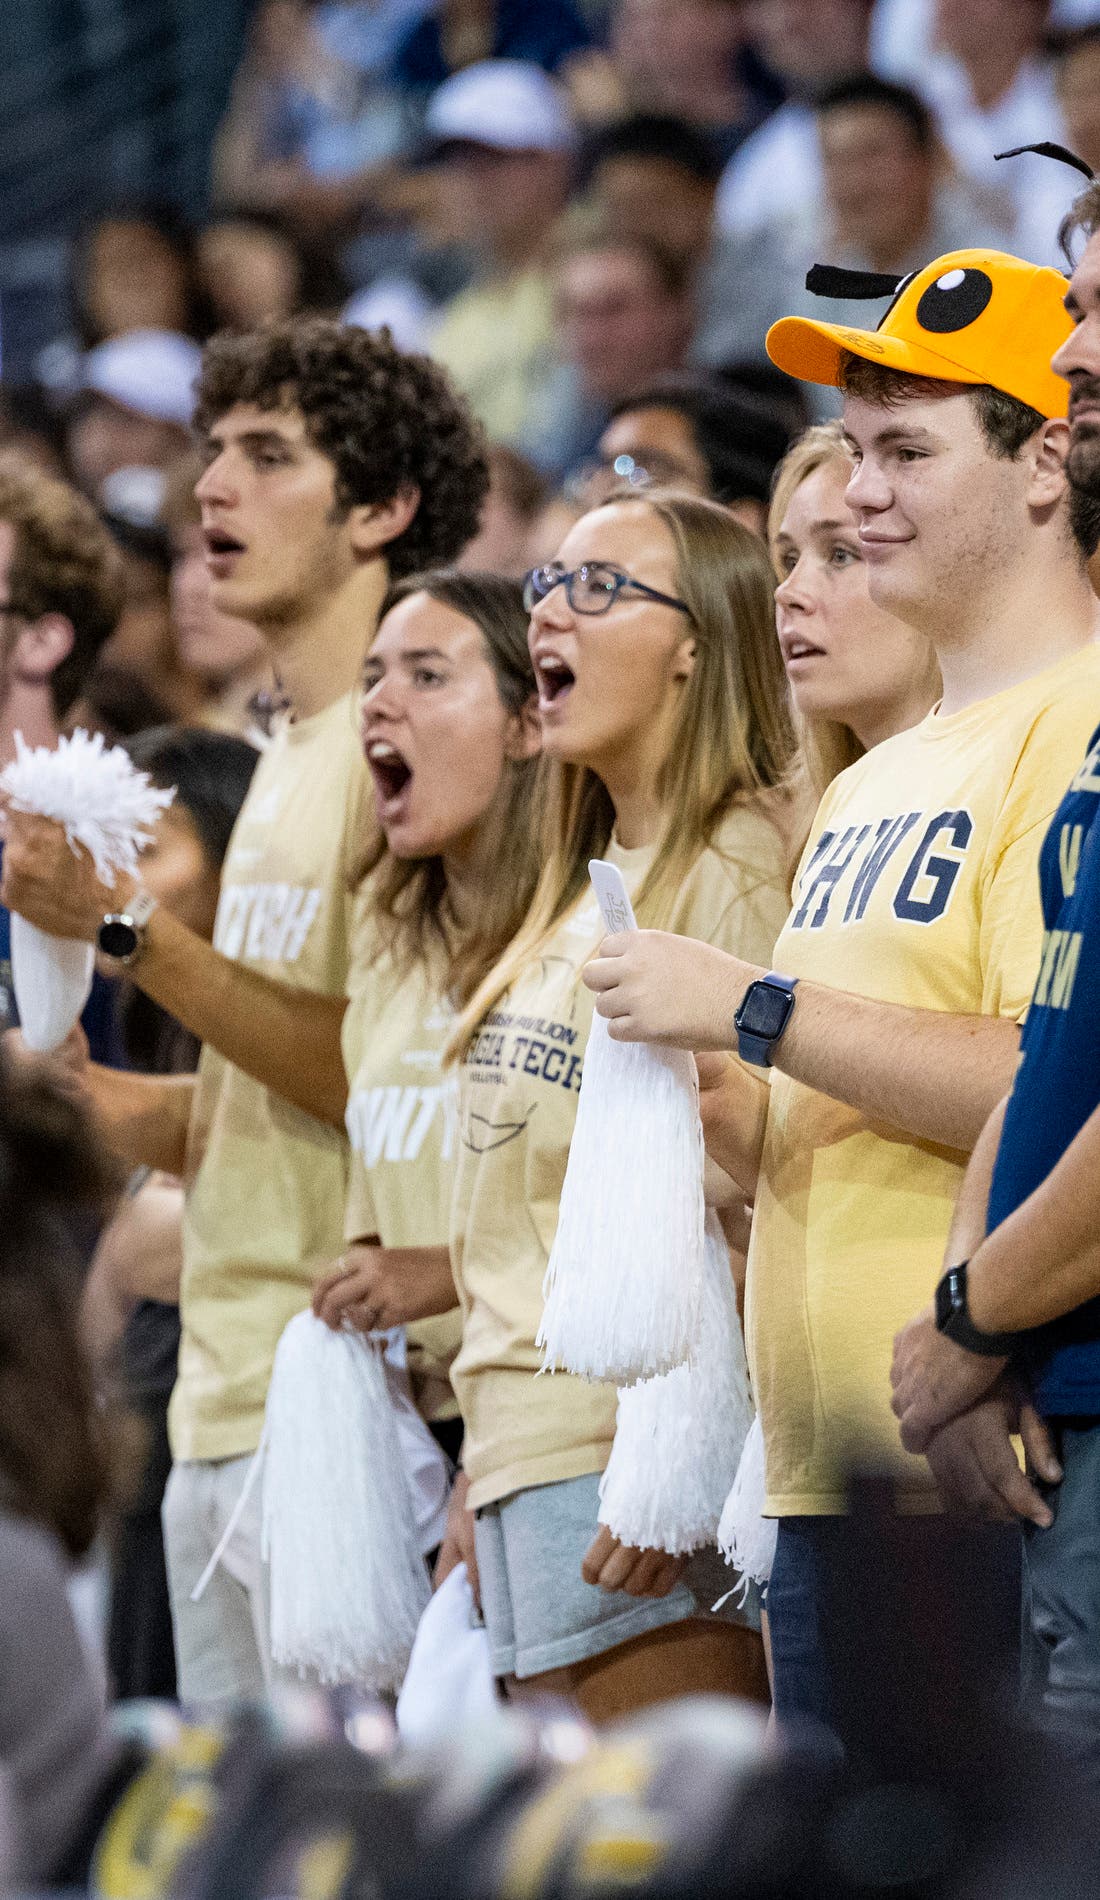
[335, 464]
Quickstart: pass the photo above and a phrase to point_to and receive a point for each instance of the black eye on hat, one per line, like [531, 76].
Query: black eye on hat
[954, 301]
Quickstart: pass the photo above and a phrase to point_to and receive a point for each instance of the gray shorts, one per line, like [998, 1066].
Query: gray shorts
[539, 1612]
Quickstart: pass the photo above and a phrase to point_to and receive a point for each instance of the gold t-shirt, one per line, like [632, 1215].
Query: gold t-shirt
[517, 1107]
[266, 1183]
[401, 1120]
[918, 886]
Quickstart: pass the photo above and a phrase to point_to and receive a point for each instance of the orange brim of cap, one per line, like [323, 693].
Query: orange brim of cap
[812, 352]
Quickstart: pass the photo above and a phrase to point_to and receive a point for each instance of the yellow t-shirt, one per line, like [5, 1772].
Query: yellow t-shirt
[266, 1182]
[918, 886]
[497, 341]
[401, 1120]
[517, 1107]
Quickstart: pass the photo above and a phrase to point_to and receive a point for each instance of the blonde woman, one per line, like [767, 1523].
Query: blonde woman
[856, 674]
[666, 747]
[450, 733]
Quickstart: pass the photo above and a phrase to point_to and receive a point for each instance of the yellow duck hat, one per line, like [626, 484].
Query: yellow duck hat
[968, 317]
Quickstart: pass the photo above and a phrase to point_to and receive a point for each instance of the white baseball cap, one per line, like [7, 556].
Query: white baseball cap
[508, 104]
[151, 372]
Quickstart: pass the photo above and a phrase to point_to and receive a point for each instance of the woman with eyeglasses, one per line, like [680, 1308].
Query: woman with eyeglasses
[448, 724]
[666, 748]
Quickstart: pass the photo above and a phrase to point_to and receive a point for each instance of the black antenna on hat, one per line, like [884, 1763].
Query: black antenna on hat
[832, 280]
[1060, 153]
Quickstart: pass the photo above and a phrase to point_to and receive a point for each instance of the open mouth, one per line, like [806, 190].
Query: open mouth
[555, 679]
[794, 650]
[220, 546]
[392, 774]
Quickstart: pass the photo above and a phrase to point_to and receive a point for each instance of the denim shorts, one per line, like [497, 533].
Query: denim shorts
[539, 1612]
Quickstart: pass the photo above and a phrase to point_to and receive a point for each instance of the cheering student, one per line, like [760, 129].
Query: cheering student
[667, 747]
[891, 1013]
[1022, 1263]
[450, 731]
[335, 464]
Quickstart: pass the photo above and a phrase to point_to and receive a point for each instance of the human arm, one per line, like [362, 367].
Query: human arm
[286, 1038]
[733, 1106]
[375, 1287]
[458, 1540]
[139, 1256]
[933, 1378]
[931, 1075]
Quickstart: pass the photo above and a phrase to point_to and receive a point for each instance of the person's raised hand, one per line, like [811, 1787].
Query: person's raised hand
[610, 1565]
[52, 884]
[653, 986]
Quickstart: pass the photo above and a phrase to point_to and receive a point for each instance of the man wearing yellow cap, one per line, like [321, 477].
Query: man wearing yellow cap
[891, 1016]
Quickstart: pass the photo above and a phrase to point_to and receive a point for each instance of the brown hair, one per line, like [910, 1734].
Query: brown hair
[1006, 422]
[733, 738]
[388, 422]
[63, 562]
[54, 1465]
[1082, 219]
[408, 895]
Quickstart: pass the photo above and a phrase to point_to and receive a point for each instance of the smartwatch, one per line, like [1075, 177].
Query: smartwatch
[954, 1322]
[121, 935]
[765, 1011]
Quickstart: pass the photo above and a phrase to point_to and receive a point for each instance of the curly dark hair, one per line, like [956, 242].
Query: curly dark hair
[386, 420]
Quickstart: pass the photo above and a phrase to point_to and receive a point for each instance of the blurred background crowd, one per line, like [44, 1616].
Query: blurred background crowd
[588, 210]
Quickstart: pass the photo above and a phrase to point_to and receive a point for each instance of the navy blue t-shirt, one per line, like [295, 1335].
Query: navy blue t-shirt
[1057, 1086]
[99, 1019]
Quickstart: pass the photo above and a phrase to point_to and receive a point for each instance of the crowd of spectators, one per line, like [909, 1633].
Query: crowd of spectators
[566, 203]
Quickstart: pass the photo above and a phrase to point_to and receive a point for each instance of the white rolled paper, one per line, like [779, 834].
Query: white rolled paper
[678, 1438]
[106, 806]
[348, 1582]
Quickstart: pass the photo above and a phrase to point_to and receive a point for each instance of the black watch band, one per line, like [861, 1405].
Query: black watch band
[954, 1322]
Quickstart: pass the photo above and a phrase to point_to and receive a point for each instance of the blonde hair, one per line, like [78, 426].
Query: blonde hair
[827, 745]
[732, 739]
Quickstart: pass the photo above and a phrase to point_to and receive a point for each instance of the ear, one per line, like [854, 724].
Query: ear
[373, 525]
[41, 647]
[1048, 452]
[524, 738]
[683, 659]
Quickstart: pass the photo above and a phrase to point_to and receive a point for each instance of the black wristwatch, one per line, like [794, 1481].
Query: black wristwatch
[954, 1322]
[121, 935]
[765, 1011]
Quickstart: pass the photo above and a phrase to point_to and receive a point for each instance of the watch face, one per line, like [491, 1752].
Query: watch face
[766, 1010]
[117, 938]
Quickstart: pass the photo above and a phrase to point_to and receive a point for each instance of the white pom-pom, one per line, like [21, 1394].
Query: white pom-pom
[678, 1438]
[105, 805]
[624, 1282]
[52, 979]
[348, 1582]
[746, 1537]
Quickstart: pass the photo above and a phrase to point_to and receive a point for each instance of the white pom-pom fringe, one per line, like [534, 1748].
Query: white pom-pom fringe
[746, 1538]
[52, 979]
[106, 805]
[679, 1437]
[95, 791]
[348, 1583]
[624, 1283]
